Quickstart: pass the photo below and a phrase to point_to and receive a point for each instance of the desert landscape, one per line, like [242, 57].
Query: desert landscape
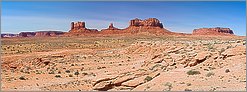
[145, 56]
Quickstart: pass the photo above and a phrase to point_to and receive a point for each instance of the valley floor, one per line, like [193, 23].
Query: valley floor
[116, 63]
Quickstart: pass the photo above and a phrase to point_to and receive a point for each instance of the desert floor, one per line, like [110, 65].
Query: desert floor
[136, 63]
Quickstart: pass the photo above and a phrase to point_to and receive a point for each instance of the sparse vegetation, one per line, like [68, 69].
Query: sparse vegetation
[209, 74]
[188, 84]
[58, 76]
[193, 72]
[76, 73]
[227, 71]
[169, 85]
[187, 89]
[67, 71]
[22, 78]
[148, 78]
[70, 75]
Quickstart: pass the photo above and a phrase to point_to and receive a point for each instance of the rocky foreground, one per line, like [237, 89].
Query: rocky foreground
[133, 63]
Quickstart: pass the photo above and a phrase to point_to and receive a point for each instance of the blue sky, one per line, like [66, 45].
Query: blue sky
[175, 16]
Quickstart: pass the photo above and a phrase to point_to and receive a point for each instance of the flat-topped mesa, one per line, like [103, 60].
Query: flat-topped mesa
[48, 33]
[213, 31]
[150, 25]
[150, 22]
[80, 27]
[40, 33]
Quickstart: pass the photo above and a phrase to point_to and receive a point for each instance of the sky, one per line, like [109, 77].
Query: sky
[176, 16]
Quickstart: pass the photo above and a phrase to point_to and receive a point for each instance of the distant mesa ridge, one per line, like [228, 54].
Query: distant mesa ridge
[40, 33]
[136, 26]
[213, 31]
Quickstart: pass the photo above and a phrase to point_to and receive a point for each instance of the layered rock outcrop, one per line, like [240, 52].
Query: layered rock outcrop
[213, 31]
[80, 27]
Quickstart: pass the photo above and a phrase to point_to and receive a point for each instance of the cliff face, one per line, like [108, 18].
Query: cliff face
[213, 31]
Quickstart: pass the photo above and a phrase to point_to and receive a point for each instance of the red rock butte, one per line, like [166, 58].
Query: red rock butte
[213, 31]
[80, 27]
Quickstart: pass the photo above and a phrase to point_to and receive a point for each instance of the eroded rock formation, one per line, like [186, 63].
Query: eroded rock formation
[213, 31]
[111, 30]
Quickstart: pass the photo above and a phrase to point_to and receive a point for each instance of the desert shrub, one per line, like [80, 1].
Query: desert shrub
[227, 70]
[22, 78]
[193, 72]
[157, 65]
[187, 89]
[148, 78]
[51, 72]
[221, 50]
[85, 73]
[76, 73]
[169, 85]
[188, 84]
[58, 76]
[67, 71]
[70, 75]
[209, 74]
[210, 47]
[38, 72]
